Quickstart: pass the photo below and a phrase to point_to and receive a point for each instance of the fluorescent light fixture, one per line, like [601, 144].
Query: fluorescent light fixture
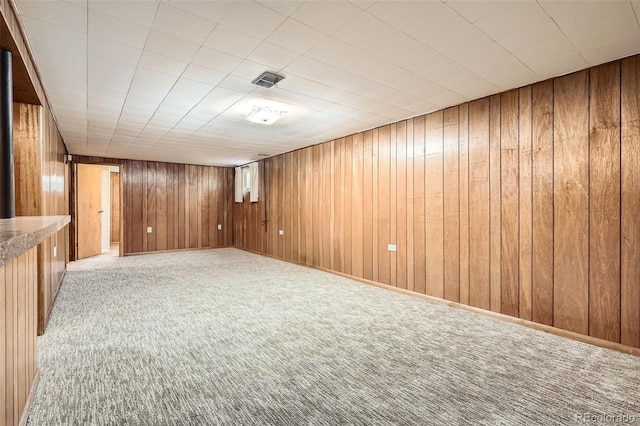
[264, 115]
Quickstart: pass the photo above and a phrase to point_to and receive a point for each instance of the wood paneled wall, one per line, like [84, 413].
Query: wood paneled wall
[41, 190]
[524, 203]
[18, 324]
[183, 204]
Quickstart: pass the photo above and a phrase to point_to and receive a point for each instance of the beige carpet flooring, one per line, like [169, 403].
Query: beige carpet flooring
[225, 337]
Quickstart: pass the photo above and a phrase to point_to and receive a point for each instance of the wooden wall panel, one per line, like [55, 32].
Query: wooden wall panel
[367, 196]
[419, 219]
[42, 188]
[375, 195]
[401, 205]
[571, 202]
[434, 204]
[525, 227]
[28, 157]
[543, 207]
[348, 193]
[18, 330]
[479, 290]
[410, 207]
[393, 202]
[151, 205]
[525, 203]
[630, 202]
[495, 210]
[336, 235]
[604, 202]
[509, 232]
[451, 249]
[309, 194]
[355, 205]
[384, 204]
[295, 206]
[327, 175]
[463, 154]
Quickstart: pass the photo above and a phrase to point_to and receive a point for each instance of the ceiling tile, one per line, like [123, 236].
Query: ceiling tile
[239, 84]
[137, 12]
[66, 15]
[272, 56]
[613, 49]
[171, 46]
[559, 65]
[582, 16]
[285, 8]
[54, 35]
[248, 70]
[426, 21]
[214, 59]
[182, 24]
[473, 10]
[204, 75]
[117, 30]
[364, 31]
[616, 25]
[155, 62]
[511, 18]
[112, 50]
[252, 18]
[228, 40]
[185, 94]
[295, 36]
[210, 10]
[150, 86]
[326, 17]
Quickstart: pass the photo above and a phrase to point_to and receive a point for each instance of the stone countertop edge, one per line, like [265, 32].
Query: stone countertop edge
[20, 234]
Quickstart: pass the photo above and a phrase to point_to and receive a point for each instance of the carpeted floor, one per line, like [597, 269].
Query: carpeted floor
[228, 337]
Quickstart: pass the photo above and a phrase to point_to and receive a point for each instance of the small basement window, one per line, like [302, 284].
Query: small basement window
[246, 179]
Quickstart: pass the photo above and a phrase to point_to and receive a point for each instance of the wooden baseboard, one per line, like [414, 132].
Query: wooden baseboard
[176, 250]
[530, 324]
[27, 405]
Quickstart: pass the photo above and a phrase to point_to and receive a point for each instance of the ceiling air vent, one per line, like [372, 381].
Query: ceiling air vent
[268, 79]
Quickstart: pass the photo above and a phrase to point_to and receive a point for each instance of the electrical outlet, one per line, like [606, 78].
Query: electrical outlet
[281, 232]
[392, 247]
[219, 227]
[149, 230]
[55, 251]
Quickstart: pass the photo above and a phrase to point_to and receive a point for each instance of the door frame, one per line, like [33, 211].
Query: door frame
[73, 200]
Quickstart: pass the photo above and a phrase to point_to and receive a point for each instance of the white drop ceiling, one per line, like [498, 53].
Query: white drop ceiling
[171, 80]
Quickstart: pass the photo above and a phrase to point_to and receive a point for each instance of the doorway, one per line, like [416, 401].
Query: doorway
[98, 210]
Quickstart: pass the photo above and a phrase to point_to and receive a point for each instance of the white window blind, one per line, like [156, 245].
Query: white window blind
[253, 190]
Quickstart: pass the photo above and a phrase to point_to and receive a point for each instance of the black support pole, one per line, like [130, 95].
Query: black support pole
[7, 180]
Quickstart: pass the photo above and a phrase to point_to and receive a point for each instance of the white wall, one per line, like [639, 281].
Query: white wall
[106, 207]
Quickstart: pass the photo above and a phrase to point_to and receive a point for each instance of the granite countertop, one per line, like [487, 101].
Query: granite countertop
[22, 233]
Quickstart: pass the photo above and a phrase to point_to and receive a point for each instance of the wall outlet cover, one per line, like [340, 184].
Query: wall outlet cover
[219, 226]
[281, 232]
[392, 247]
[149, 230]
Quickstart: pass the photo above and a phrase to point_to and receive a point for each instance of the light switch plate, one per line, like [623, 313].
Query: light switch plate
[149, 230]
[219, 226]
[392, 247]
[281, 232]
